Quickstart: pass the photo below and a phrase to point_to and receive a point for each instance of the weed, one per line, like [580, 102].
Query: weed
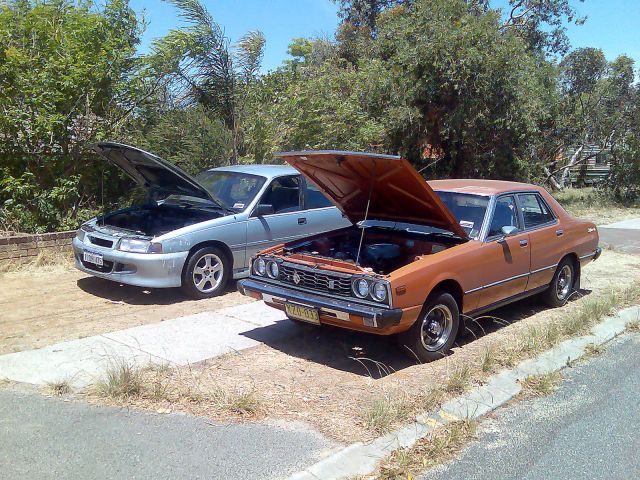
[60, 387]
[122, 380]
[543, 384]
[441, 445]
[383, 412]
[488, 360]
[633, 326]
[459, 380]
[594, 349]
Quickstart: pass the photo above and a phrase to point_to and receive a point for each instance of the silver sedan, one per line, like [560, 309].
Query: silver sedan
[197, 233]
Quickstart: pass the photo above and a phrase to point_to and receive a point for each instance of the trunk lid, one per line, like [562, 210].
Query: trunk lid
[397, 191]
[152, 172]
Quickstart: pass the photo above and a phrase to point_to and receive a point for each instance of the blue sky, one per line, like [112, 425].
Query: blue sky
[613, 25]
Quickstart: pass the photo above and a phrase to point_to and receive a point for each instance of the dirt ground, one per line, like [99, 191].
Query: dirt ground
[329, 377]
[44, 305]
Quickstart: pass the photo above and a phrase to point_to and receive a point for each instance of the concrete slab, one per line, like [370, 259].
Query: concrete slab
[180, 341]
[633, 224]
[621, 239]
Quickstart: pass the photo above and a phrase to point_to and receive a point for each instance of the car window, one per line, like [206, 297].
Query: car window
[235, 190]
[468, 209]
[504, 215]
[315, 198]
[534, 211]
[283, 194]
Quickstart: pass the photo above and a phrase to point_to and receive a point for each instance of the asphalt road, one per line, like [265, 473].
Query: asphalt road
[622, 236]
[588, 429]
[47, 438]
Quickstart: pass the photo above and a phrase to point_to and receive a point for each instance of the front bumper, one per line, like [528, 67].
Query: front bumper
[333, 311]
[152, 270]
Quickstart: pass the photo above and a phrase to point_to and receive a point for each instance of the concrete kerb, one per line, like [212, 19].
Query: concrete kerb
[362, 458]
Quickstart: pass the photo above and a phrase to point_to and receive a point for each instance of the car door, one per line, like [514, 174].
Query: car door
[320, 215]
[545, 237]
[286, 220]
[505, 260]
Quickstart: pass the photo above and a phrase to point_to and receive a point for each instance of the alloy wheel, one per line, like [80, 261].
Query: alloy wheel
[208, 273]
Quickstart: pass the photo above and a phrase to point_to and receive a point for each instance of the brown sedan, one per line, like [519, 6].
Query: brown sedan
[421, 256]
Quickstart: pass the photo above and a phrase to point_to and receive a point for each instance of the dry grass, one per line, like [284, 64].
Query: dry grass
[541, 385]
[459, 379]
[594, 349]
[122, 380]
[594, 205]
[59, 388]
[384, 412]
[633, 326]
[441, 445]
[47, 260]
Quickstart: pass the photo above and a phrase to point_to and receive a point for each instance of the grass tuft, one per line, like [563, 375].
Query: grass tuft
[459, 380]
[383, 412]
[633, 326]
[541, 385]
[59, 388]
[122, 380]
[594, 349]
[489, 360]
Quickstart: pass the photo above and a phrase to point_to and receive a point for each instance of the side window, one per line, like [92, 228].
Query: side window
[283, 194]
[315, 198]
[504, 215]
[534, 211]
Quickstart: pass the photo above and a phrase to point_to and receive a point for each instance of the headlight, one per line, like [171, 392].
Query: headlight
[135, 245]
[379, 291]
[260, 266]
[361, 288]
[273, 270]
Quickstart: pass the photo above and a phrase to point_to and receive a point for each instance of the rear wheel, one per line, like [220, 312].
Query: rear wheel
[206, 273]
[562, 285]
[432, 335]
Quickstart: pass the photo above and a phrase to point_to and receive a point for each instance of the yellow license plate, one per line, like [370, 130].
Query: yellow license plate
[299, 312]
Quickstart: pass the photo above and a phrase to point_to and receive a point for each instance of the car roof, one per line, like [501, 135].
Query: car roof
[259, 169]
[480, 187]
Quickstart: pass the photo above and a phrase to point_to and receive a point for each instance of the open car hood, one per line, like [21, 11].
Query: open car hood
[151, 172]
[398, 192]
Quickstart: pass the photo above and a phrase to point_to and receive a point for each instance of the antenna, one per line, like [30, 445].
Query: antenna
[366, 212]
[102, 194]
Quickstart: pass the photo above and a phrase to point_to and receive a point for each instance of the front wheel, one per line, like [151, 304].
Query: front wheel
[562, 285]
[206, 273]
[432, 335]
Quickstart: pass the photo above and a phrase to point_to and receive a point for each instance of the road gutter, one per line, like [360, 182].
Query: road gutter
[362, 458]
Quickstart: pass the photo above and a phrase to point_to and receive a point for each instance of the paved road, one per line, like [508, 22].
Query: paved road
[588, 429]
[623, 236]
[45, 438]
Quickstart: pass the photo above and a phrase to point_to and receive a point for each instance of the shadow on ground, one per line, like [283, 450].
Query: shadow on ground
[119, 292]
[376, 356]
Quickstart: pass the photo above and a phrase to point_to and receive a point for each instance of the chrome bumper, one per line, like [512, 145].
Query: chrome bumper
[379, 317]
[153, 270]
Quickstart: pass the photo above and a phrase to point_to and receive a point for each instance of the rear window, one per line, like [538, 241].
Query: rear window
[468, 209]
[534, 211]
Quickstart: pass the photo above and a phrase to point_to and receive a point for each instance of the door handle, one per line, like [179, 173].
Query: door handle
[559, 232]
[524, 243]
[302, 221]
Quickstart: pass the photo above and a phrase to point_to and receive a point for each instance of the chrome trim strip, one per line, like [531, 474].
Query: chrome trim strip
[587, 255]
[544, 268]
[497, 283]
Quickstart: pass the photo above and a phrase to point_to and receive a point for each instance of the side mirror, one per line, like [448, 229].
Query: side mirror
[508, 231]
[263, 209]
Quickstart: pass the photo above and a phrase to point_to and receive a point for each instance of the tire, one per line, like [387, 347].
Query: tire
[562, 285]
[432, 335]
[206, 273]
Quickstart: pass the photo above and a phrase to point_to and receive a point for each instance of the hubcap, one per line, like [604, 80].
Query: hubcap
[207, 274]
[563, 286]
[436, 327]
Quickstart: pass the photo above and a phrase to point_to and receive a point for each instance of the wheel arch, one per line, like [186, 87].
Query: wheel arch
[576, 267]
[210, 243]
[452, 287]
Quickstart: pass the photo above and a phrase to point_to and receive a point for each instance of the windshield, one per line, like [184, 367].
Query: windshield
[468, 209]
[234, 190]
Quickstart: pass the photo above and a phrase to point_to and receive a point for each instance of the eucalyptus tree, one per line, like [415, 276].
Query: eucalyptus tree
[207, 69]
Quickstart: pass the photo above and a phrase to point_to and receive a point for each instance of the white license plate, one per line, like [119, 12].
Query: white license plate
[92, 257]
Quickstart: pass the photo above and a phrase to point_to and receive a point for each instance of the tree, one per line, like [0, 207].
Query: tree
[207, 68]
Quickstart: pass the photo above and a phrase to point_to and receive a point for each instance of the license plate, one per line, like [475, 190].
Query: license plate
[299, 312]
[92, 257]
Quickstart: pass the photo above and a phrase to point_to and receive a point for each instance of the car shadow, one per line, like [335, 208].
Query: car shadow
[129, 294]
[372, 355]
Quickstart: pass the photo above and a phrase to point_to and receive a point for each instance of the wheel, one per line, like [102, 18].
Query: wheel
[206, 273]
[433, 334]
[562, 285]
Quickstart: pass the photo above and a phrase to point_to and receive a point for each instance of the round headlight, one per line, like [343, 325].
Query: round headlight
[379, 291]
[273, 269]
[261, 267]
[361, 288]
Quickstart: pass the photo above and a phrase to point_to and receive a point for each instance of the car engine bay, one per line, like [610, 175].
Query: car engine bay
[383, 250]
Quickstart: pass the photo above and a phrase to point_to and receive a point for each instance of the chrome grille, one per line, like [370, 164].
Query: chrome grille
[316, 280]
